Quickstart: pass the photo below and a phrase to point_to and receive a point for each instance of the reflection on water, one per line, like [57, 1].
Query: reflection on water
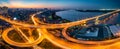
[73, 15]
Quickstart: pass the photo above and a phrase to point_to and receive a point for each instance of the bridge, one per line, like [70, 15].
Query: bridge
[44, 34]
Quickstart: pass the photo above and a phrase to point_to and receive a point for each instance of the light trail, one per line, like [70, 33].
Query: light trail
[29, 41]
[27, 44]
[87, 42]
[68, 45]
[44, 34]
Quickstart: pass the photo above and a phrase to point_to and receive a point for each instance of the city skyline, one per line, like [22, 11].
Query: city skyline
[83, 4]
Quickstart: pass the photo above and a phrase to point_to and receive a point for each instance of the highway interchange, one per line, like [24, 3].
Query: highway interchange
[44, 34]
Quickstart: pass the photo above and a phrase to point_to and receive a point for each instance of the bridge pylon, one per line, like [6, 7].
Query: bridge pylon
[97, 21]
[84, 23]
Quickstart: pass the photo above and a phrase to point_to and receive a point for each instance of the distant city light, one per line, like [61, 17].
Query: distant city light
[108, 9]
[14, 18]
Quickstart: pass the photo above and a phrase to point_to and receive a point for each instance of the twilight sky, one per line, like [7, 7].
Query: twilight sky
[83, 4]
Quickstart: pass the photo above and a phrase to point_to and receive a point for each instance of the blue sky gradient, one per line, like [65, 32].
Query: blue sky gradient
[83, 4]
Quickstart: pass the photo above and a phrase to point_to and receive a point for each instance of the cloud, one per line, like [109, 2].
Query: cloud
[4, 4]
[22, 4]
